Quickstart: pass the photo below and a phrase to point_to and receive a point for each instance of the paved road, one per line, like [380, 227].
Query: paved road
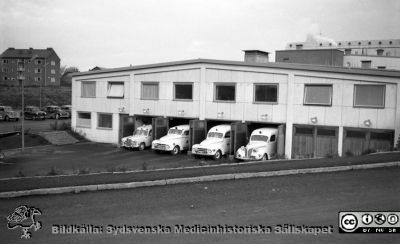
[33, 126]
[301, 199]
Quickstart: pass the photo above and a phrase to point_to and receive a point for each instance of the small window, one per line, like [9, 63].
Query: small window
[304, 131]
[83, 119]
[5, 61]
[37, 78]
[381, 67]
[183, 91]
[186, 133]
[53, 71]
[104, 121]
[390, 43]
[299, 46]
[88, 89]
[318, 95]
[272, 138]
[115, 90]
[228, 134]
[326, 132]
[38, 61]
[355, 134]
[369, 96]
[225, 92]
[349, 43]
[150, 91]
[266, 93]
[379, 43]
[38, 71]
[382, 136]
[53, 63]
[5, 78]
[52, 79]
[347, 51]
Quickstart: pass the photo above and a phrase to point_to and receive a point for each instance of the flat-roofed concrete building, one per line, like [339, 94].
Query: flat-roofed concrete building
[320, 110]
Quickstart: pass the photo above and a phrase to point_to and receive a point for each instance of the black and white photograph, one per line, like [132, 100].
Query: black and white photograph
[199, 121]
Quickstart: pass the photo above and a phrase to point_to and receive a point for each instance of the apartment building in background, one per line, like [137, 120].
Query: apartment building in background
[43, 70]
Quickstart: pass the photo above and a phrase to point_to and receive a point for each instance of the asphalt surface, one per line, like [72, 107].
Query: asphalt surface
[168, 160]
[31, 125]
[312, 200]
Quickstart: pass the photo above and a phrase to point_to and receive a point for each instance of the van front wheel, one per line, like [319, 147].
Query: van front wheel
[264, 158]
[218, 155]
[175, 151]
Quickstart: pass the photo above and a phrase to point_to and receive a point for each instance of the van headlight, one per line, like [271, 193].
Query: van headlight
[167, 147]
[209, 151]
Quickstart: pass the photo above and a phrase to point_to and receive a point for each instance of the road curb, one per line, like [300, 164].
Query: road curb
[197, 179]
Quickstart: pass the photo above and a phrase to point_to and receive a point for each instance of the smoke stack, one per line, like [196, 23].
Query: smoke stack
[255, 56]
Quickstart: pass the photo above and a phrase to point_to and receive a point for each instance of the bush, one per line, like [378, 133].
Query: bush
[52, 171]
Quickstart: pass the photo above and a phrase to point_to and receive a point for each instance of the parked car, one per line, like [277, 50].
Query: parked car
[33, 112]
[175, 141]
[140, 139]
[67, 108]
[262, 145]
[55, 112]
[216, 144]
[7, 113]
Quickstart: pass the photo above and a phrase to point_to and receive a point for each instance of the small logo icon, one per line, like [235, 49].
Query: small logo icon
[349, 222]
[24, 217]
[393, 219]
[380, 219]
[367, 219]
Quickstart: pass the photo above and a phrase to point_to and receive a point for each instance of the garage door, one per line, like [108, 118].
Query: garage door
[313, 141]
[361, 141]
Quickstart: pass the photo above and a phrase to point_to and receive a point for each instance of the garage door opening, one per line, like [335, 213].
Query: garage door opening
[280, 139]
[362, 141]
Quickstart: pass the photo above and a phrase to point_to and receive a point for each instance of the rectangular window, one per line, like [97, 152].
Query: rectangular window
[366, 64]
[5, 61]
[326, 132]
[5, 70]
[88, 89]
[37, 78]
[53, 63]
[115, 89]
[355, 134]
[183, 91]
[369, 96]
[5, 78]
[150, 91]
[53, 71]
[104, 121]
[38, 61]
[318, 95]
[52, 79]
[38, 71]
[225, 92]
[266, 93]
[83, 119]
[304, 131]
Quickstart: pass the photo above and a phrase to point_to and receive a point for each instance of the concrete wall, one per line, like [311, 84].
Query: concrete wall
[376, 61]
[320, 57]
[100, 104]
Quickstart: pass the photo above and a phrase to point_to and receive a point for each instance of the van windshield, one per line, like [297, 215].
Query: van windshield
[175, 132]
[215, 135]
[259, 138]
[7, 109]
[140, 132]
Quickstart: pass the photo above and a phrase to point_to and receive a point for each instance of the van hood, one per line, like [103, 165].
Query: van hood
[170, 137]
[211, 141]
[255, 144]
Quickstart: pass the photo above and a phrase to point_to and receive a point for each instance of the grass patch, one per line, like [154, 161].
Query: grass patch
[15, 141]
[20, 174]
[84, 171]
[52, 172]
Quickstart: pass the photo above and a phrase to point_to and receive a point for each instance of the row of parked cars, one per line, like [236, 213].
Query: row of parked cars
[262, 144]
[35, 113]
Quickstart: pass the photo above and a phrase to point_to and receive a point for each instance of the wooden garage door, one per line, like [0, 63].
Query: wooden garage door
[357, 142]
[303, 142]
[311, 142]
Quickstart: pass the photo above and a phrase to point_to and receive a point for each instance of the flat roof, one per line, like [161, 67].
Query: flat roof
[290, 66]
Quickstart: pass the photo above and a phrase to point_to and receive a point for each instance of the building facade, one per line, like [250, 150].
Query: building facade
[321, 111]
[43, 70]
[378, 54]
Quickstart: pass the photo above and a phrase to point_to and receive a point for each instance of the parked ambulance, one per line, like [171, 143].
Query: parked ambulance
[140, 139]
[262, 145]
[175, 141]
[216, 144]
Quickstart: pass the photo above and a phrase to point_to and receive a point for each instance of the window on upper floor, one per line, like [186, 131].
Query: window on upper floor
[150, 90]
[88, 89]
[38, 61]
[224, 92]
[5, 70]
[265, 93]
[104, 120]
[53, 63]
[183, 91]
[315, 94]
[369, 96]
[38, 71]
[379, 52]
[53, 71]
[5, 61]
[37, 79]
[381, 67]
[52, 79]
[115, 89]
[83, 119]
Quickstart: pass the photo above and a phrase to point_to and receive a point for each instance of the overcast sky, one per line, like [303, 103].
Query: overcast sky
[116, 33]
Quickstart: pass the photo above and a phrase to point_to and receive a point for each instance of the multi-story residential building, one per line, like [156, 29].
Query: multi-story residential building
[318, 110]
[35, 66]
[378, 54]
